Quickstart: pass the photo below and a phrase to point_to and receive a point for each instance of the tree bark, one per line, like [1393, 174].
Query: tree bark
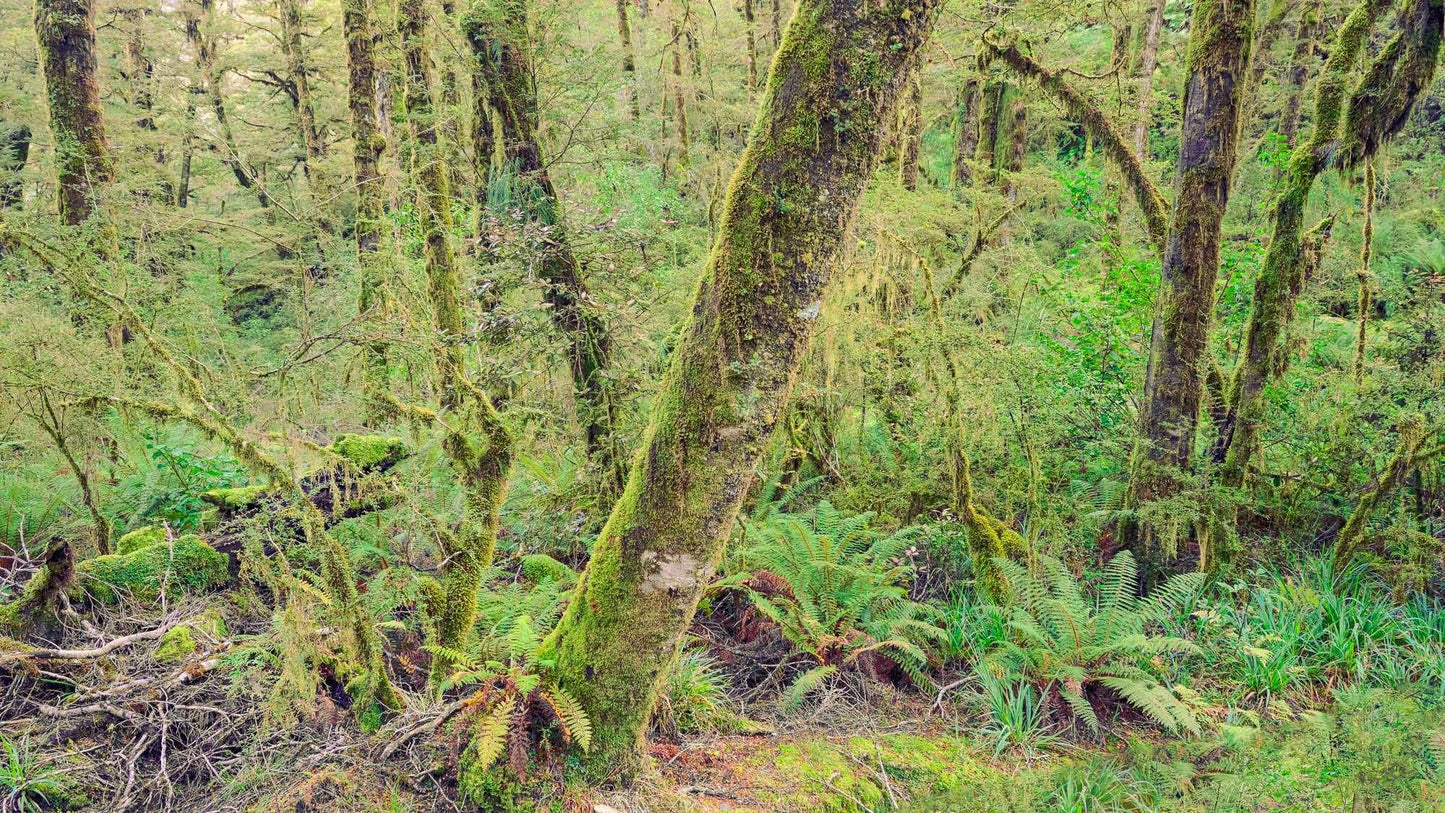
[1148, 62]
[965, 134]
[910, 131]
[293, 48]
[1367, 239]
[1018, 143]
[367, 146]
[497, 34]
[65, 30]
[812, 150]
[986, 158]
[679, 96]
[1299, 69]
[1184, 307]
[752, 48]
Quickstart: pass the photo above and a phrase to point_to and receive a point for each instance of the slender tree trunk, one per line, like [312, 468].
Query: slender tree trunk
[1148, 61]
[293, 48]
[65, 30]
[752, 47]
[1018, 143]
[1367, 239]
[776, 31]
[476, 442]
[1299, 69]
[965, 134]
[679, 100]
[1345, 135]
[1260, 63]
[812, 151]
[986, 160]
[910, 131]
[140, 72]
[629, 61]
[497, 34]
[1184, 307]
[367, 146]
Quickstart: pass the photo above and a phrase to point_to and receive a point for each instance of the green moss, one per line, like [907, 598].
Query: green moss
[176, 645]
[234, 499]
[369, 452]
[140, 538]
[188, 564]
[825, 775]
[539, 566]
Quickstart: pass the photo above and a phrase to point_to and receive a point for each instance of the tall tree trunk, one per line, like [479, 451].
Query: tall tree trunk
[1365, 302]
[1184, 308]
[199, 23]
[497, 34]
[1018, 143]
[776, 31]
[965, 134]
[629, 61]
[910, 130]
[752, 47]
[476, 442]
[293, 48]
[367, 146]
[140, 71]
[989, 128]
[1299, 69]
[65, 30]
[1278, 285]
[1148, 61]
[811, 152]
[679, 100]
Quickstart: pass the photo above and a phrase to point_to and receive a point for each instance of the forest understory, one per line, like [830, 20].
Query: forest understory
[655, 405]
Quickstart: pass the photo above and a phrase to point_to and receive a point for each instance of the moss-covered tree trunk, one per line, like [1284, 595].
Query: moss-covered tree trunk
[497, 33]
[1400, 72]
[1299, 68]
[910, 131]
[65, 30]
[679, 93]
[965, 134]
[629, 60]
[199, 21]
[1363, 275]
[1148, 62]
[297, 70]
[476, 442]
[367, 146]
[752, 54]
[1184, 306]
[835, 82]
[1018, 135]
[989, 126]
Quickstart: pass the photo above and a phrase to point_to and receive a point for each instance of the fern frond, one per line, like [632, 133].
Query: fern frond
[804, 685]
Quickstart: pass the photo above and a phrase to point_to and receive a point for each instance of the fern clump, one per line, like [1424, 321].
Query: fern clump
[837, 591]
[1081, 653]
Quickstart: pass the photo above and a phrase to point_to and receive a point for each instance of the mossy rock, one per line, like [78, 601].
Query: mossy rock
[369, 452]
[140, 538]
[186, 564]
[230, 500]
[177, 644]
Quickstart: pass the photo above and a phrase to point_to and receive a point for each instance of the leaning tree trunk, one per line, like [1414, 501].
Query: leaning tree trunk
[367, 145]
[1148, 61]
[835, 81]
[65, 30]
[497, 33]
[1377, 108]
[1184, 308]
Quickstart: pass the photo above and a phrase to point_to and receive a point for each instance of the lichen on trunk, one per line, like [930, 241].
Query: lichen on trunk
[835, 81]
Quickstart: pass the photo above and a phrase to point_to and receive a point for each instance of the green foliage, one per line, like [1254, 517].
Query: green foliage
[837, 591]
[1084, 651]
[26, 786]
[171, 490]
[695, 699]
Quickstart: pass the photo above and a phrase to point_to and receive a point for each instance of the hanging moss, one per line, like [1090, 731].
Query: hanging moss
[186, 564]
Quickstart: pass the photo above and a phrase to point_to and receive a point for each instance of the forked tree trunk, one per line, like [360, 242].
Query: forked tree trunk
[367, 145]
[836, 80]
[1184, 308]
[65, 30]
[497, 33]
[1400, 73]
[476, 442]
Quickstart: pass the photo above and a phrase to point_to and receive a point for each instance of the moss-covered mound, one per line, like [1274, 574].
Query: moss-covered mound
[186, 564]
